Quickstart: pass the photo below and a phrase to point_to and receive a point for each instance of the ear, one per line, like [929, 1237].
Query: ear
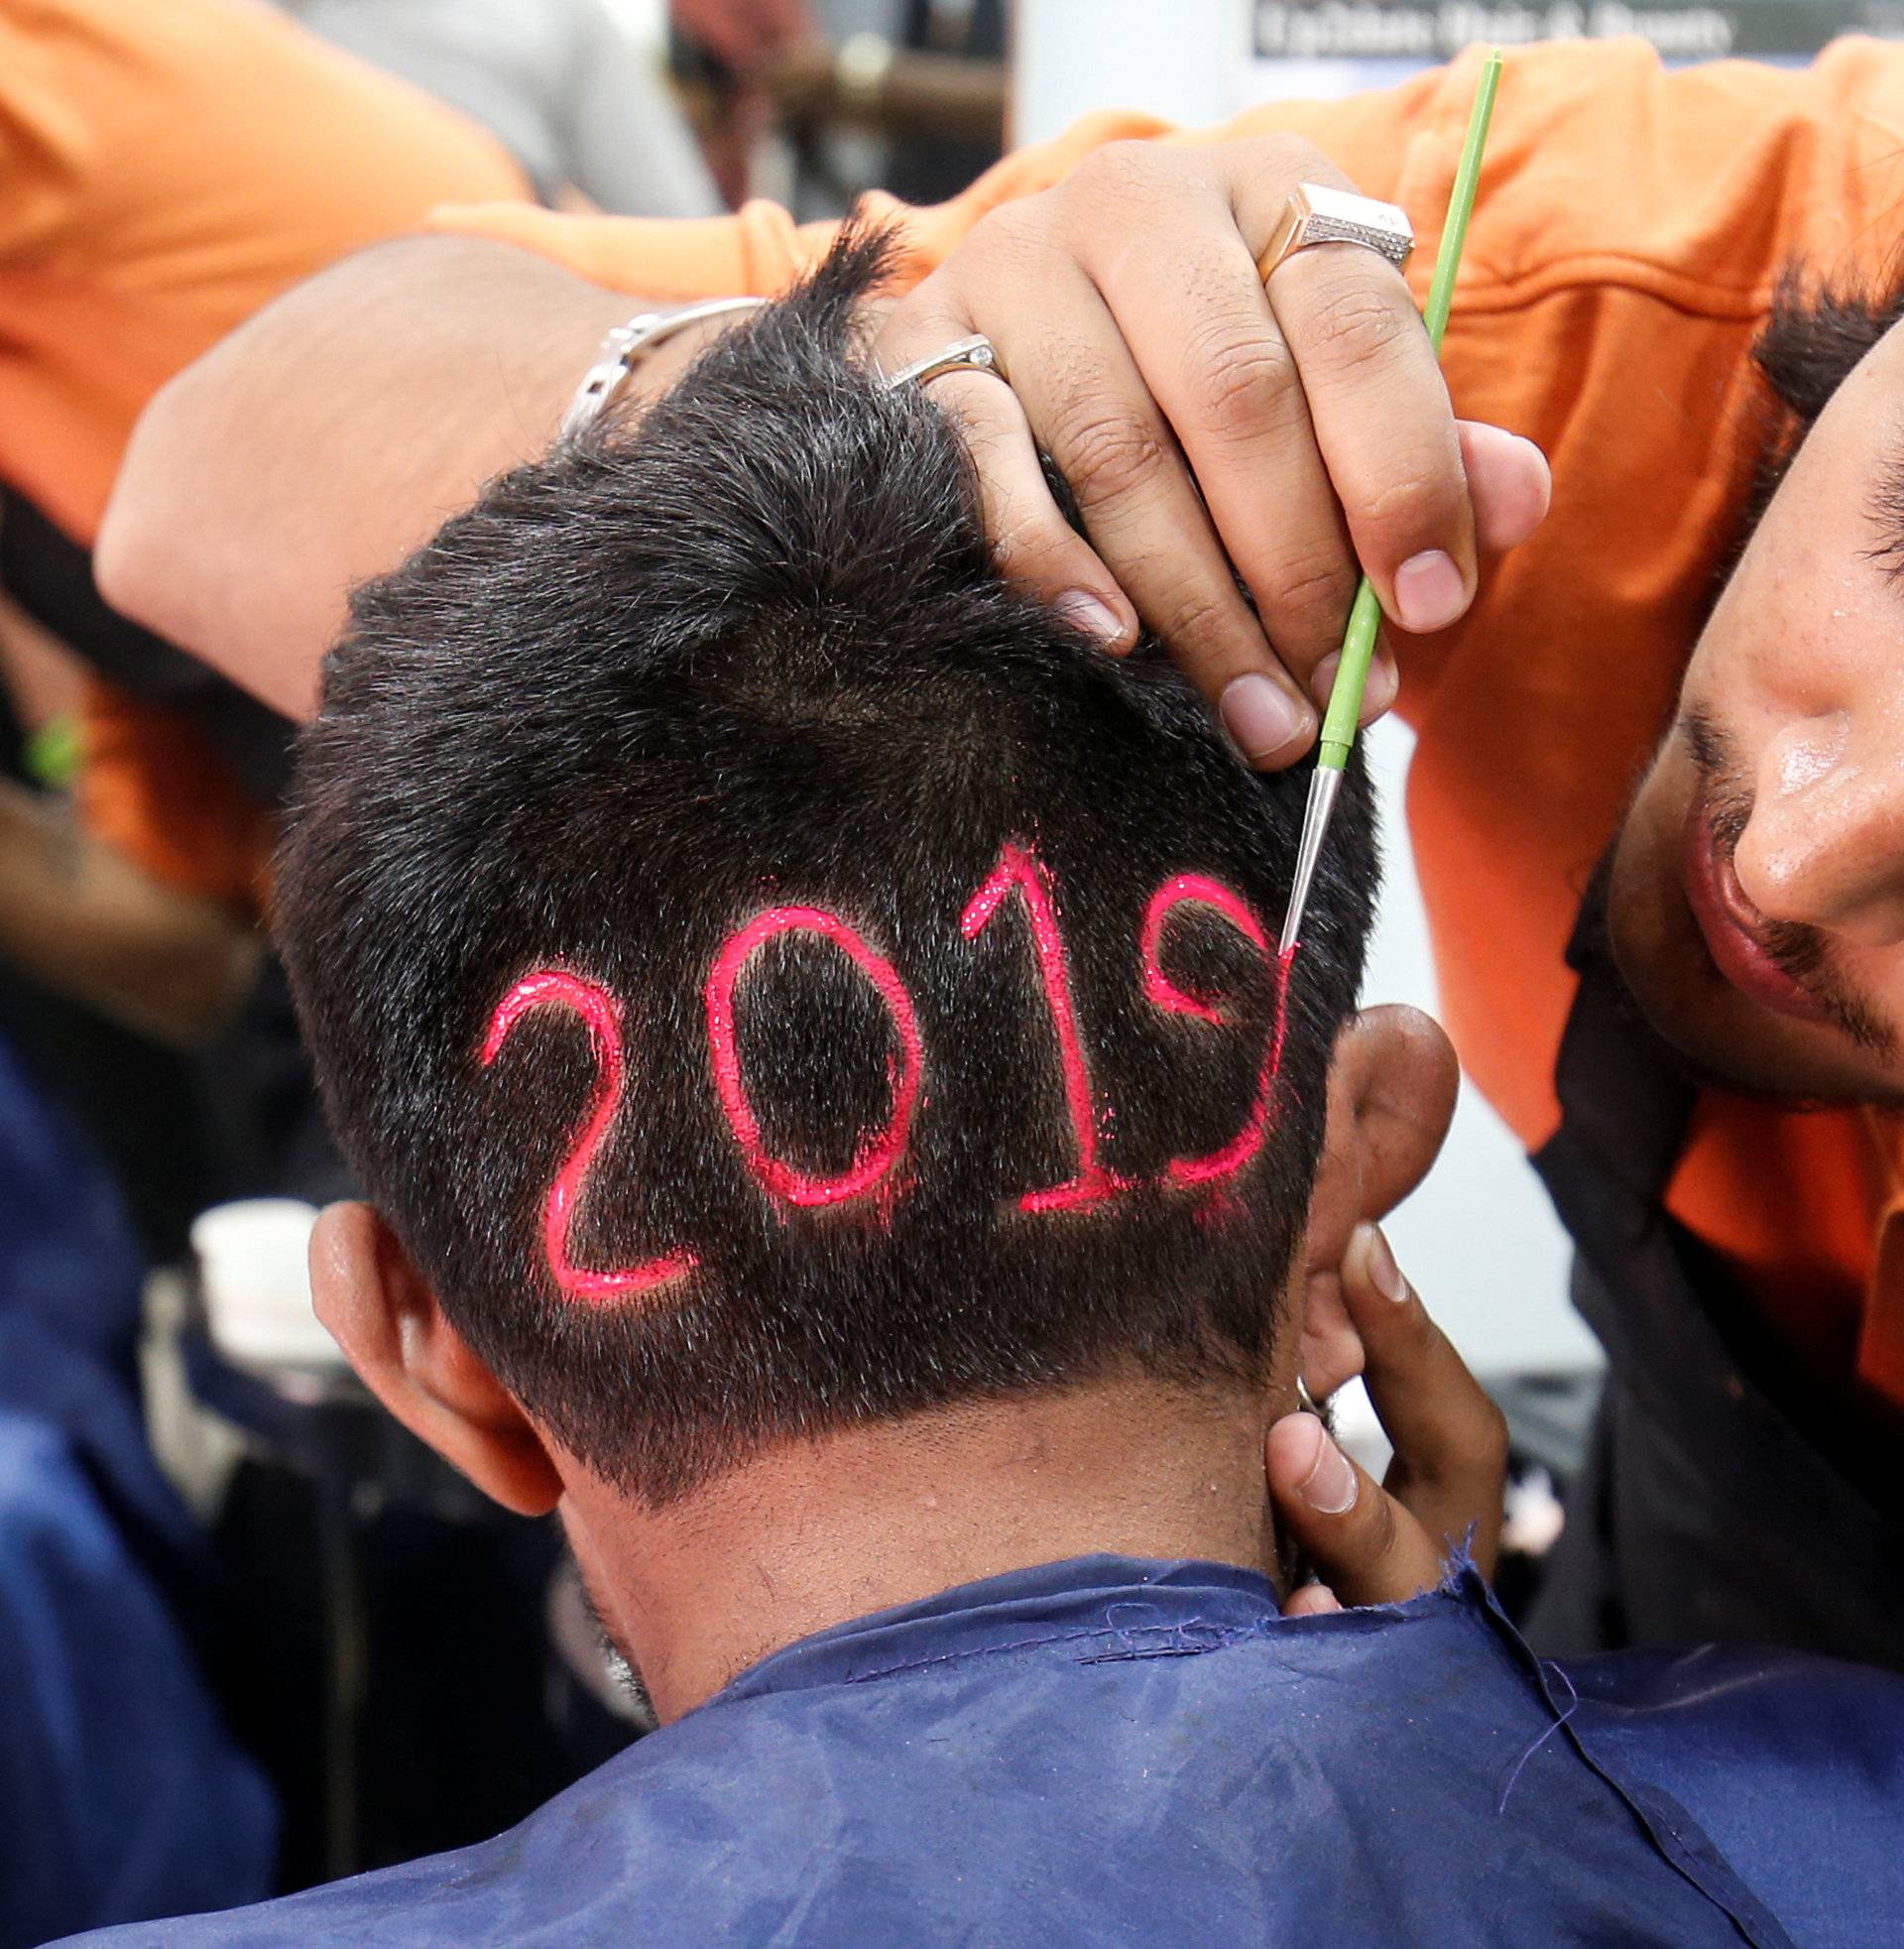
[379, 1310]
[1392, 1084]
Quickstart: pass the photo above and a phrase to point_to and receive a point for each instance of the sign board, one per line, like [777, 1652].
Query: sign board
[1328, 47]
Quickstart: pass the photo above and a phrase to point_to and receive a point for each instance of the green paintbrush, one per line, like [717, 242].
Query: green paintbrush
[1358, 640]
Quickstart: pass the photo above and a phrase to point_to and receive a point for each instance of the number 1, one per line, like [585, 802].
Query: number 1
[1020, 870]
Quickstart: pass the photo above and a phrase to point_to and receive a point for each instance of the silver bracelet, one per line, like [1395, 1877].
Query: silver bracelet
[627, 346]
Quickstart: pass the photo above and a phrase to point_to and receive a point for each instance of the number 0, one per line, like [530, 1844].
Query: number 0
[882, 1148]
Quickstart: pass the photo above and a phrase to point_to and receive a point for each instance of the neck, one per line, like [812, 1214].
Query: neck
[814, 1533]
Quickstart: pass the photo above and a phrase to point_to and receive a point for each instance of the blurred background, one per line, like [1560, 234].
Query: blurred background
[243, 1617]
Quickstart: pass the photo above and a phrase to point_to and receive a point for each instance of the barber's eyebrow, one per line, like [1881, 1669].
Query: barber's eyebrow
[1885, 509]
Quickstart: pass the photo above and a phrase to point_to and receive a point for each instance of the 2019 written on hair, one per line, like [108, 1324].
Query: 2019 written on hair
[1018, 871]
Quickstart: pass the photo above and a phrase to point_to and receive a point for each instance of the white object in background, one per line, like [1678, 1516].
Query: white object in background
[1534, 1514]
[1358, 1427]
[1187, 61]
[1480, 1240]
[644, 22]
[254, 1271]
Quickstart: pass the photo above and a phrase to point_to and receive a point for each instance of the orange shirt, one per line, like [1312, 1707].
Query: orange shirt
[167, 167]
[1630, 228]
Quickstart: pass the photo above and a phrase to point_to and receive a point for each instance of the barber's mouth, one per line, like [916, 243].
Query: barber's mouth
[1732, 927]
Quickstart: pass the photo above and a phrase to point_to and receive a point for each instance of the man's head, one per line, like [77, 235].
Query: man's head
[1757, 895]
[773, 978]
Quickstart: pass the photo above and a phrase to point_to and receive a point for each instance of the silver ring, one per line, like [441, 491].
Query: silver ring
[974, 354]
[1317, 214]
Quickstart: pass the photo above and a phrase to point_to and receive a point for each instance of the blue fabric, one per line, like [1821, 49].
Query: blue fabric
[121, 1796]
[69, 1260]
[1793, 1768]
[1116, 1752]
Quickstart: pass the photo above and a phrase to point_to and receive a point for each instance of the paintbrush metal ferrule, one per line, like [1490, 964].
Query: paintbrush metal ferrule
[1324, 782]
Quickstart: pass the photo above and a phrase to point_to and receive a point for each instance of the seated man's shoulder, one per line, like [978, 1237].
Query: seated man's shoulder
[1163, 1772]
[1792, 1765]
[1726, 1707]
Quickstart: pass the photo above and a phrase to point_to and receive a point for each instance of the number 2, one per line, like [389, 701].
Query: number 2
[602, 1013]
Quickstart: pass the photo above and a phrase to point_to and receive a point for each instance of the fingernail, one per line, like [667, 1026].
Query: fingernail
[1324, 679]
[1428, 592]
[1089, 613]
[1379, 693]
[1482, 435]
[1330, 1486]
[1312, 1601]
[1261, 716]
[1382, 1268]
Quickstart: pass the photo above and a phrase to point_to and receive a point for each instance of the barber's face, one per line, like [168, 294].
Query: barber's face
[1757, 895]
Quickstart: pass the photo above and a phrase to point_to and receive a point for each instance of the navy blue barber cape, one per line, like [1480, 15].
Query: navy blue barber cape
[122, 1793]
[1117, 1751]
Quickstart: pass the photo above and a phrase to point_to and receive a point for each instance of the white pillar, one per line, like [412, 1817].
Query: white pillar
[1184, 59]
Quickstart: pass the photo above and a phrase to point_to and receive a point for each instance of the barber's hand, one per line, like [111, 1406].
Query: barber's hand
[1392, 1087]
[1381, 1543]
[1211, 431]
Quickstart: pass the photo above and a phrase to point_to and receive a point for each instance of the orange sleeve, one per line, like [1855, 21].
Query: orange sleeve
[154, 789]
[44, 141]
[165, 171]
[1400, 145]
[761, 250]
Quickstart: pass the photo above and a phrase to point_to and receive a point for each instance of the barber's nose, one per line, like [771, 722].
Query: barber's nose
[1825, 846]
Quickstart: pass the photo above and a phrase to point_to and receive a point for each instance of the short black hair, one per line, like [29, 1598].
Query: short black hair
[1817, 328]
[745, 663]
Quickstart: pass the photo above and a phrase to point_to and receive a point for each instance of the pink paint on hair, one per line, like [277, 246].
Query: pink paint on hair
[1021, 869]
[1233, 1157]
[1175, 892]
[1285, 960]
[883, 1149]
[599, 1010]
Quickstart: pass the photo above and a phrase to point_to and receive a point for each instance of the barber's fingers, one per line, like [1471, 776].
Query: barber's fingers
[1377, 1544]
[1377, 402]
[1384, 428]
[1208, 428]
[1450, 1464]
[1172, 246]
[1512, 488]
[1312, 412]
[1208, 347]
[1032, 540]
[1154, 548]
[1508, 481]
[1311, 1601]
[1030, 535]
[1364, 1545]
[1112, 439]
[1343, 372]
